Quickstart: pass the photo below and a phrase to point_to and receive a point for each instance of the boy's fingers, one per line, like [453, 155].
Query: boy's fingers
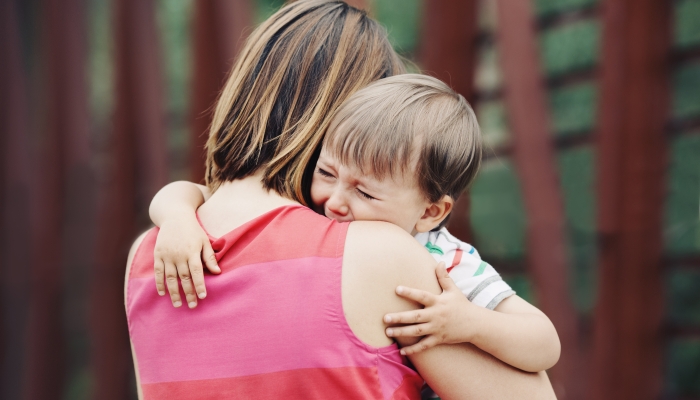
[425, 298]
[197, 273]
[209, 258]
[407, 317]
[171, 282]
[183, 271]
[409, 331]
[159, 268]
[444, 279]
[423, 344]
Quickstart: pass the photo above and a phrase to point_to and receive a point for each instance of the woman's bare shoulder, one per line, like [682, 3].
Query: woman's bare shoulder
[378, 258]
[397, 255]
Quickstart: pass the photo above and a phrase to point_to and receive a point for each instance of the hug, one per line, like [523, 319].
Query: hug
[330, 175]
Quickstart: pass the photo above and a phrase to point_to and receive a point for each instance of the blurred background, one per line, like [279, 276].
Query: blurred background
[588, 201]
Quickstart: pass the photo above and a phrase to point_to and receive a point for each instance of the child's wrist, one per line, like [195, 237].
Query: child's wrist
[475, 318]
[185, 216]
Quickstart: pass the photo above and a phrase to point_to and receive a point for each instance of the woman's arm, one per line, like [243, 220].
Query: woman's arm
[378, 258]
[182, 244]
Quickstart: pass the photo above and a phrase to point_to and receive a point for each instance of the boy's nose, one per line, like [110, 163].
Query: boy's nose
[337, 205]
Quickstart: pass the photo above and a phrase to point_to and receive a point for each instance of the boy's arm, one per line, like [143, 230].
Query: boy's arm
[517, 333]
[182, 244]
[175, 198]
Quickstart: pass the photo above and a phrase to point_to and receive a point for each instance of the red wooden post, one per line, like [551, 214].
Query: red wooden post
[448, 52]
[64, 150]
[220, 27]
[361, 4]
[534, 157]
[138, 170]
[632, 162]
[15, 184]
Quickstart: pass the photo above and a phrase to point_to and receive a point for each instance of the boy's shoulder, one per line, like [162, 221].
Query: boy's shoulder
[442, 243]
[476, 278]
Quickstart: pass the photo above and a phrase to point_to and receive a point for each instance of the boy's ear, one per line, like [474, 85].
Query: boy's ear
[435, 213]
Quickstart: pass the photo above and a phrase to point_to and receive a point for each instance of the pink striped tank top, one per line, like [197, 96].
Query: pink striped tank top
[272, 326]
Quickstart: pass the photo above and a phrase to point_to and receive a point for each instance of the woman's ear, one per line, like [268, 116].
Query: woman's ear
[435, 213]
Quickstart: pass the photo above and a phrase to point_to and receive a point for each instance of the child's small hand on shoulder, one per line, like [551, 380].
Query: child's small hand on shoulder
[180, 248]
[446, 318]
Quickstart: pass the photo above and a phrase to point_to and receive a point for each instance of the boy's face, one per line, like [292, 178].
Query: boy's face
[343, 193]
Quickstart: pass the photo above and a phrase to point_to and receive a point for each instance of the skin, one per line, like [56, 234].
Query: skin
[516, 333]
[344, 193]
[378, 257]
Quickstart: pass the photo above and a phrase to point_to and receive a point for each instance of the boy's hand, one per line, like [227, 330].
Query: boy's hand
[445, 318]
[180, 248]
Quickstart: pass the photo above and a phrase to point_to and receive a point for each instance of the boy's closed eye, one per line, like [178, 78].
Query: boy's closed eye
[325, 173]
[365, 195]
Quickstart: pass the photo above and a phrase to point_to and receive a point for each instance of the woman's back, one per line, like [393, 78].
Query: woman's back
[272, 327]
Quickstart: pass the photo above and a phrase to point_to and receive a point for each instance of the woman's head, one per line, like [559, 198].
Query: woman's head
[293, 72]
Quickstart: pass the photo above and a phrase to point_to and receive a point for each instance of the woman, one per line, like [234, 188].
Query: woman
[303, 297]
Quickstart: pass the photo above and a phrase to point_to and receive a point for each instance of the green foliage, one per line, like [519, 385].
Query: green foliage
[570, 47]
[573, 109]
[687, 28]
[100, 61]
[497, 213]
[175, 24]
[522, 285]
[81, 386]
[492, 121]
[683, 368]
[487, 74]
[401, 19]
[577, 176]
[546, 7]
[263, 9]
[174, 21]
[683, 306]
[686, 86]
[682, 225]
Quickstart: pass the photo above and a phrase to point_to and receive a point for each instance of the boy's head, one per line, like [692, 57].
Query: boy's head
[401, 150]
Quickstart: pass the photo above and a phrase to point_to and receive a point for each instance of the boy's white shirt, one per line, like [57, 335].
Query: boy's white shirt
[478, 280]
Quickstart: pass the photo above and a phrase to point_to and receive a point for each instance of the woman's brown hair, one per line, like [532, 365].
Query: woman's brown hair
[293, 72]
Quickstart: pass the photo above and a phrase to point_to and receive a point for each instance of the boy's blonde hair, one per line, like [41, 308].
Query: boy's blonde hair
[409, 121]
[293, 72]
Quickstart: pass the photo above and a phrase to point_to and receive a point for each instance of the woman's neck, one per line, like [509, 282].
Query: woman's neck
[237, 202]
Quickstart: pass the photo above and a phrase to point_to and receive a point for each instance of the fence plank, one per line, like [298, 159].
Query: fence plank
[632, 162]
[137, 170]
[536, 166]
[64, 148]
[220, 27]
[15, 184]
[448, 52]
